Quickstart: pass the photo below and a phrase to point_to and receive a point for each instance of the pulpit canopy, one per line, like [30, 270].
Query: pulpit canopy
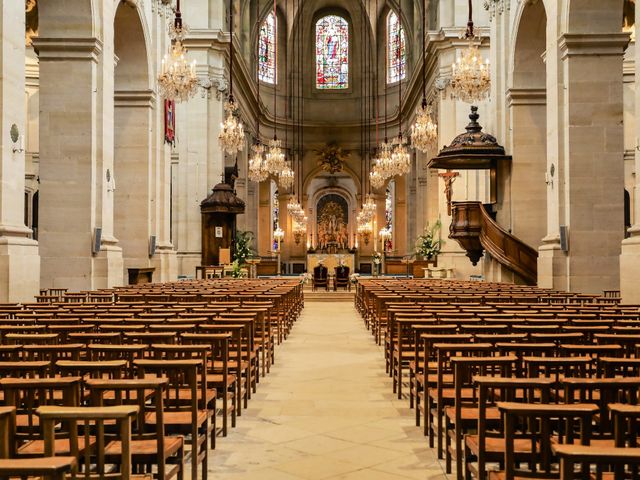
[222, 200]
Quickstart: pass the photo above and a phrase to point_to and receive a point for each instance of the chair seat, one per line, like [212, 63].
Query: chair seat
[450, 393]
[147, 448]
[470, 414]
[218, 379]
[178, 418]
[503, 476]
[185, 394]
[35, 448]
[594, 442]
[496, 446]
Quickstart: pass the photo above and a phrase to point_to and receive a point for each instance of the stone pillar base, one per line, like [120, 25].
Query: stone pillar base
[552, 265]
[165, 262]
[108, 267]
[630, 270]
[19, 269]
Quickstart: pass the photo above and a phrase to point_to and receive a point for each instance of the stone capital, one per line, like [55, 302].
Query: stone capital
[592, 44]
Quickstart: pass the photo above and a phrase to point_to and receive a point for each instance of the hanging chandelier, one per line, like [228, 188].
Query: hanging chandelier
[471, 77]
[400, 158]
[375, 178]
[257, 171]
[274, 159]
[285, 179]
[231, 136]
[177, 80]
[424, 132]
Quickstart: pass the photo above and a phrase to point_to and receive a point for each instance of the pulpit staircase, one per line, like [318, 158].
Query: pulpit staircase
[476, 231]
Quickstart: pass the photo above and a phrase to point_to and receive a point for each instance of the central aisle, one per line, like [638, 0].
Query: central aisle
[326, 411]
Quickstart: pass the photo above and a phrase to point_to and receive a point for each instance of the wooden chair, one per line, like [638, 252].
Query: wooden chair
[25, 395]
[341, 278]
[463, 415]
[320, 277]
[534, 423]
[185, 403]
[148, 445]
[94, 462]
[587, 456]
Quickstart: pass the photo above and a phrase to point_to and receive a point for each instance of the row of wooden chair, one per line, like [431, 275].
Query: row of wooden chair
[138, 385]
[531, 395]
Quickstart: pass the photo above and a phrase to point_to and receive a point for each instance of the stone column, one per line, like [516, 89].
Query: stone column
[19, 260]
[592, 201]
[135, 176]
[630, 257]
[70, 172]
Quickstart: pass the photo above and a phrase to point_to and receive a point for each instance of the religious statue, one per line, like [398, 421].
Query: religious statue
[449, 177]
[332, 158]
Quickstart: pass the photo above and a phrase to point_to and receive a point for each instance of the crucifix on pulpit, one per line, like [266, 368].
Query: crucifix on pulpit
[449, 177]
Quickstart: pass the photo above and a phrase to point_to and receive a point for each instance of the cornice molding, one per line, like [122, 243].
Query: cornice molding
[592, 44]
[67, 49]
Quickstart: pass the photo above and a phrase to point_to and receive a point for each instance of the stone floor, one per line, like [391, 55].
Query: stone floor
[326, 411]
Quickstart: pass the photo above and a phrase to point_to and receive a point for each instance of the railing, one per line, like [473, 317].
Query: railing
[474, 229]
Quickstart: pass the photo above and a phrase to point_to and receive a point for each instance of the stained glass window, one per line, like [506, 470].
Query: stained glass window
[332, 53]
[396, 49]
[267, 50]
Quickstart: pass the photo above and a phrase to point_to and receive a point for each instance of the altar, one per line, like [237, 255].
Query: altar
[330, 260]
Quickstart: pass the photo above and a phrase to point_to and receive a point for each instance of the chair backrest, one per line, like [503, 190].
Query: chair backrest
[224, 255]
[320, 272]
[93, 460]
[148, 396]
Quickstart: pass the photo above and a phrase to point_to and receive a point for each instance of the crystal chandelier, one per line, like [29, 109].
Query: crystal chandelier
[257, 171]
[375, 178]
[274, 159]
[424, 132]
[285, 179]
[231, 136]
[400, 158]
[471, 78]
[177, 80]
[369, 208]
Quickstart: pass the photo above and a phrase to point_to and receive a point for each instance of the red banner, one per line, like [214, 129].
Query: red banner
[169, 121]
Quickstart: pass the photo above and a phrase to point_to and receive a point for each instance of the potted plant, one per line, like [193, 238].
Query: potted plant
[243, 248]
[428, 245]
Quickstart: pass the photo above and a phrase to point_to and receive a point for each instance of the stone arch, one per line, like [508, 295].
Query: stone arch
[345, 169]
[528, 117]
[135, 161]
[131, 42]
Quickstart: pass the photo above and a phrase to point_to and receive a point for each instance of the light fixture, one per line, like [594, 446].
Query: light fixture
[424, 132]
[231, 136]
[375, 177]
[471, 78]
[299, 229]
[285, 180]
[177, 80]
[257, 170]
[274, 159]
[400, 157]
